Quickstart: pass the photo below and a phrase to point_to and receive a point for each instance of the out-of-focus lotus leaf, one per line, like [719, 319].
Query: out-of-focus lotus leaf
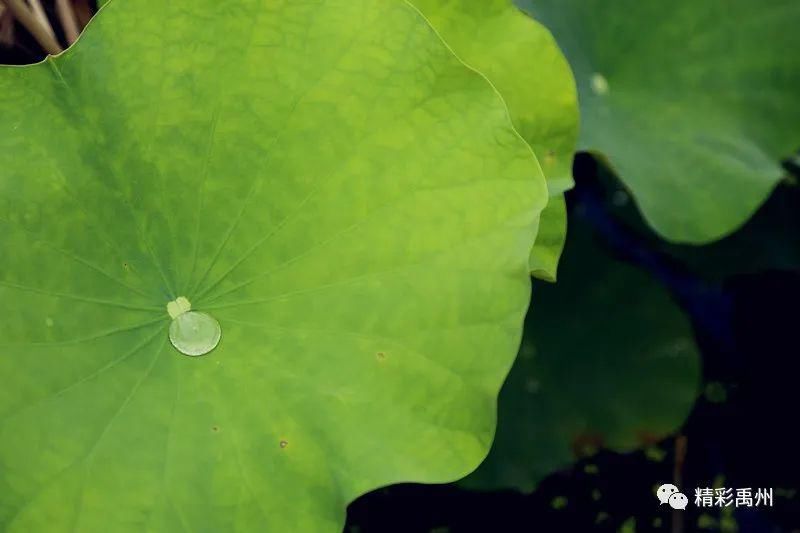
[607, 361]
[694, 104]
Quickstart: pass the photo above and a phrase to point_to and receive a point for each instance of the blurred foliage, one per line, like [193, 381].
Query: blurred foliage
[767, 241]
[694, 104]
[608, 361]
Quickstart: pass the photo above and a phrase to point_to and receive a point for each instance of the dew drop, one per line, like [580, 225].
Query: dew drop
[599, 84]
[192, 333]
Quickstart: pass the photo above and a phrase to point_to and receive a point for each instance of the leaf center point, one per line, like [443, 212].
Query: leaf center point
[192, 333]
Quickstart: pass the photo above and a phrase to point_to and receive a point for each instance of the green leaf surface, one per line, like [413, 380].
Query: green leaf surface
[327, 181]
[694, 104]
[607, 361]
[550, 239]
[522, 60]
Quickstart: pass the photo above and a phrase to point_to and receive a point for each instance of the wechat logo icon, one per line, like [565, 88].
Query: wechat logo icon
[670, 495]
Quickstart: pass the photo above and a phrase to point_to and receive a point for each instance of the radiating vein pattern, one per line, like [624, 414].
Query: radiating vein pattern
[332, 186]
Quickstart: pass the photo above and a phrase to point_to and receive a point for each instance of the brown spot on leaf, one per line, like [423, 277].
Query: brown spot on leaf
[283, 444]
[647, 438]
[586, 444]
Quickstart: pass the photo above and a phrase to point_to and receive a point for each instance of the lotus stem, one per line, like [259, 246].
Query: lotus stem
[30, 21]
[68, 20]
[41, 16]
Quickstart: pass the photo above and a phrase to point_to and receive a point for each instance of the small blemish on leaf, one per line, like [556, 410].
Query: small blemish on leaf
[380, 355]
[283, 444]
[214, 429]
[647, 438]
[586, 444]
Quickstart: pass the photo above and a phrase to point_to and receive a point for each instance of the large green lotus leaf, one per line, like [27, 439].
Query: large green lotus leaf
[607, 361]
[328, 181]
[522, 60]
[694, 104]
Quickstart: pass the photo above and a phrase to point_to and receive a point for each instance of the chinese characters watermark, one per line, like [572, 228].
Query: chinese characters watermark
[716, 497]
[725, 497]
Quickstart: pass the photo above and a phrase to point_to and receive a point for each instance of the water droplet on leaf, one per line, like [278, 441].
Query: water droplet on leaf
[192, 332]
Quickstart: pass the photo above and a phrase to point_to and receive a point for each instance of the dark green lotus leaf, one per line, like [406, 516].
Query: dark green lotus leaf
[768, 241]
[326, 181]
[607, 361]
[694, 104]
[521, 59]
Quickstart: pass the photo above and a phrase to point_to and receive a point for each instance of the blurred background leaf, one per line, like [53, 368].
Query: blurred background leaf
[693, 104]
[608, 361]
[767, 241]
